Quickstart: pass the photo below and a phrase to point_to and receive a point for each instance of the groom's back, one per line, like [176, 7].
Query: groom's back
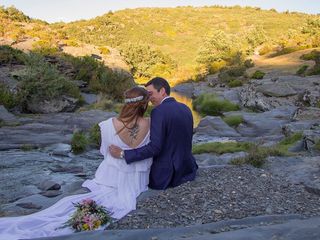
[175, 157]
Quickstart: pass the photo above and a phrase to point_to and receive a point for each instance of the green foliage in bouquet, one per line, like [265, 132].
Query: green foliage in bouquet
[88, 216]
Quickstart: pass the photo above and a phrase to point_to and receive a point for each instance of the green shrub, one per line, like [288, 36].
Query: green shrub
[209, 104]
[221, 148]
[216, 66]
[9, 55]
[257, 156]
[233, 120]
[42, 81]
[95, 135]
[287, 50]
[27, 147]
[235, 83]
[7, 98]
[99, 77]
[145, 61]
[288, 141]
[229, 74]
[302, 70]
[310, 56]
[266, 48]
[317, 145]
[79, 142]
[258, 74]
[248, 63]
[16, 15]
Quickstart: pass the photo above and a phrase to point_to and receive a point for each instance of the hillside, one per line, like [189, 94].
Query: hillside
[178, 43]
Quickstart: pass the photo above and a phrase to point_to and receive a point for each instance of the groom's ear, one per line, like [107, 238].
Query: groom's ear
[162, 91]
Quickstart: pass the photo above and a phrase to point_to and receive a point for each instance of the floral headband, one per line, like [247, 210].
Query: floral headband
[133, 100]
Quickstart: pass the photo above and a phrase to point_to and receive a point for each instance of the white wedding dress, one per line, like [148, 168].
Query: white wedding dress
[116, 186]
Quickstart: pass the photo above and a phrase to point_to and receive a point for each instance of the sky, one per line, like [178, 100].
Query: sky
[72, 10]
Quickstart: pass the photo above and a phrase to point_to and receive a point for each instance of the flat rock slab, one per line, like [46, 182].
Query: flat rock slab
[262, 227]
[298, 170]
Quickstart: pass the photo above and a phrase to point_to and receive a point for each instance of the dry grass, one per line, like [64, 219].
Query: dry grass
[284, 64]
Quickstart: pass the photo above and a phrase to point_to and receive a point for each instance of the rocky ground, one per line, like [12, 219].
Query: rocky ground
[222, 194]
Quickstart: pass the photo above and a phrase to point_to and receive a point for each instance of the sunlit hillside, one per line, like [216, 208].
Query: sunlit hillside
[178, 43]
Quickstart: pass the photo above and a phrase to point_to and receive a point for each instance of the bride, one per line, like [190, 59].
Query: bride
[116, 185]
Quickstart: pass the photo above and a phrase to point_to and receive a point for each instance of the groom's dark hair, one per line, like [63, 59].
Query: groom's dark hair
[158, 83]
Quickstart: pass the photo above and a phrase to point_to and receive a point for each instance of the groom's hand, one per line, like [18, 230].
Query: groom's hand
[115, 151]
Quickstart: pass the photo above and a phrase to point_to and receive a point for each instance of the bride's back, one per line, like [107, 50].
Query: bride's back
[133, 133]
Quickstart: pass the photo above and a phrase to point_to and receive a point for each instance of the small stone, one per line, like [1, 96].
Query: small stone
[51, 193]
[218, 211]
[29, 205]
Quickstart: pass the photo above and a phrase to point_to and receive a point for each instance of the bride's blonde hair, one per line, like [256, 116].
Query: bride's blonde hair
[136, 103]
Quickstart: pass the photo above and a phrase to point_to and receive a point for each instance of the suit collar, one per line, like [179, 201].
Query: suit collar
[168, 99]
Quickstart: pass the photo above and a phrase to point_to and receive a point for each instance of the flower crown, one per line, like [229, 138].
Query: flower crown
[133, 100]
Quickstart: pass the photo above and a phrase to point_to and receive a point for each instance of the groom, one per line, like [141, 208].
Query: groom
[170, 140]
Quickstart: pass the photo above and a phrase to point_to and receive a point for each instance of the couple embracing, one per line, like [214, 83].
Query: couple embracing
[138, 152]
[171, 130]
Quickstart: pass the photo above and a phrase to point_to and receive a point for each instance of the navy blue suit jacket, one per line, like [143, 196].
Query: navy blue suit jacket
[170, 146]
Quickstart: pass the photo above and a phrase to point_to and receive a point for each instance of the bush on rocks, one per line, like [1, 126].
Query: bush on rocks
[221, 148]
[233, 121]
[258, 74]
[288, 141]
[7, 98]
[42, 82]
[317, 145]
[235, 83]
[209, 104]
[79, 142]
[99, 77]
[9, 55]
[95, 135]
[302, 70]
[257, 156]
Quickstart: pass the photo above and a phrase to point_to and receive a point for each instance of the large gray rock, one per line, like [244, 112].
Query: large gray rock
[264, 124]
[89, 98]
[48, 129]
[205, 160]
[306, 113]
[214, 126]
[276, 90]
[60, 104]
[6, 116]
[252, 99]
[185, 89]
[298, 170]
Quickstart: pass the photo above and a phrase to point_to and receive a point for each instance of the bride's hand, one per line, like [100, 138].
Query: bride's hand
[115, 151]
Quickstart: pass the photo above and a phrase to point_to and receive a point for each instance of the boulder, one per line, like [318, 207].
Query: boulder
[252, 99]
[185, 89]
[61, 104]
[264, 124]
[277, 90]
[215, 126]
[306, 113]
[6, 116]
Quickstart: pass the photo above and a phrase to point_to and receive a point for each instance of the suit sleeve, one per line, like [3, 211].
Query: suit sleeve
[153, 148]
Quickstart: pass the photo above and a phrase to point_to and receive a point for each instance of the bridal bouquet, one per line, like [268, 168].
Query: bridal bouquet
[88, 216]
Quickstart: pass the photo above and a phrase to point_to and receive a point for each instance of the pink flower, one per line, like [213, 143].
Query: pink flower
[87, 201]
